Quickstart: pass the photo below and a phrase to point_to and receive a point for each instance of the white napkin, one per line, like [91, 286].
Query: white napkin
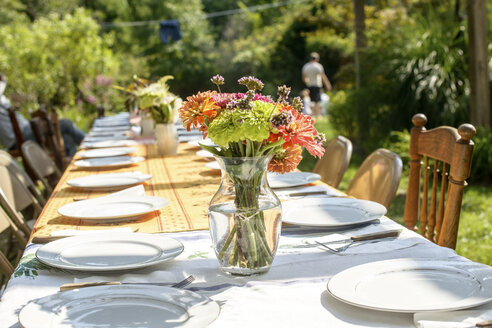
[138, 190]
[454, 319]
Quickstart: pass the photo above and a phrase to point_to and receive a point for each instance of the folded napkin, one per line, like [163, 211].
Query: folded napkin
[454, 319]
[138, 190]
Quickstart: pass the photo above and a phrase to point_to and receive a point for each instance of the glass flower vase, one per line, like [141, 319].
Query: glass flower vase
[245, 216]
[166, 136]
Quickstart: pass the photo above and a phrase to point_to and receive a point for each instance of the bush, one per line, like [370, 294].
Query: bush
[47, 60]
[481, 171]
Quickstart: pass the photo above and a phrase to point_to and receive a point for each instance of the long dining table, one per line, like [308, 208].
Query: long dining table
[293, 293]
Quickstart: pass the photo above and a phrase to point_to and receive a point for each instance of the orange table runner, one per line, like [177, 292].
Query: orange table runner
[183, 179]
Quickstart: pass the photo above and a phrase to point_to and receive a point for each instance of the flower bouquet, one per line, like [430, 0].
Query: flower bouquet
[253, 134]
[158, 100]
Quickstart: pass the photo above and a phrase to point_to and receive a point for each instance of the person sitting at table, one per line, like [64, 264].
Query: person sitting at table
[72, 135]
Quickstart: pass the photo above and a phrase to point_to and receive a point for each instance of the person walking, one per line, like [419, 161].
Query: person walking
[313, 75]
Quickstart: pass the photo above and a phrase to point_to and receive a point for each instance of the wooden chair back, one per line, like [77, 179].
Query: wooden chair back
[19, 137]
[335, 161]
[48, 135]
[5, 267]
[41, 164]
[378, 177]
[10, 219]
[447, 155]
[17, 193]
[15, 169]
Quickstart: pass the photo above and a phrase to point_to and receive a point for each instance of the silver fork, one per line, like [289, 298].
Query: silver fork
[343, 248]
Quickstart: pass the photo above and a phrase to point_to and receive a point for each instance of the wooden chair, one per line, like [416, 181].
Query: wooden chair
[15, 169]
[335, 161]
[447, 154]
[20, 228]
[41, 164]
[7, 228]
[5, 267]
[17, 193]
[49, 137]
[19, 137]
[378, 178]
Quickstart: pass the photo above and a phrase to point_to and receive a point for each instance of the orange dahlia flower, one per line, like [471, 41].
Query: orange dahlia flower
[196, 108]
[286, 161]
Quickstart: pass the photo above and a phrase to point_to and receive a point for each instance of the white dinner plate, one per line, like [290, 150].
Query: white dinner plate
[206, 142]
[291, 179]
[111, 208]
[109, 251]
[104, 162]
[108, 134]
[205, 154]
[110, 180]
[128, 306]
[109, 129]
[330, 212]
[109, 144]
[119, 123]
[107, 152]
[414, 285]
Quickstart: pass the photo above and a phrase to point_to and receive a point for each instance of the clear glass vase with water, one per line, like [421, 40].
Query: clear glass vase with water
[245, 216]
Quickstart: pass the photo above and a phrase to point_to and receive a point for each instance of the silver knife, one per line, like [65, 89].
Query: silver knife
[368, 236]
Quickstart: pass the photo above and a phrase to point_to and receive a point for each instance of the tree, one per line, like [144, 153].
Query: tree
[478, 63]
[46, 61]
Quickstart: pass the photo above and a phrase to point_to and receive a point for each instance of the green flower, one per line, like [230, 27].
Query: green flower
[239, 125]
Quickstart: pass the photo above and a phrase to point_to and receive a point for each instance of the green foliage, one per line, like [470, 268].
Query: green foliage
[481, 171]
[47, 60]
[413, 63]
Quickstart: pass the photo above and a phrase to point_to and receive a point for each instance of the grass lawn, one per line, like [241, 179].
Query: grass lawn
[475, 231]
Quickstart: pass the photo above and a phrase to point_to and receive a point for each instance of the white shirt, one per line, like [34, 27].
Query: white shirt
[313, 71]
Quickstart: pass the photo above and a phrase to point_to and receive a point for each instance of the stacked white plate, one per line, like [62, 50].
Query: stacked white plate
[414, 285]
[109, 251]
[129, 306]
[109, 181]
[107, 152]
[113, 208]
[109, 144]
[108, 162]
[330, 212]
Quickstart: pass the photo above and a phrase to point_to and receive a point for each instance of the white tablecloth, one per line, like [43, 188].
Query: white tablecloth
[292, 294]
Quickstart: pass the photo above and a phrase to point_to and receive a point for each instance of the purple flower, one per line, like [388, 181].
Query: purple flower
[282, 118]
[217, 80]
[103, 81]
[297, 104]
[251, 82]
[283, 93]
[91, 99]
